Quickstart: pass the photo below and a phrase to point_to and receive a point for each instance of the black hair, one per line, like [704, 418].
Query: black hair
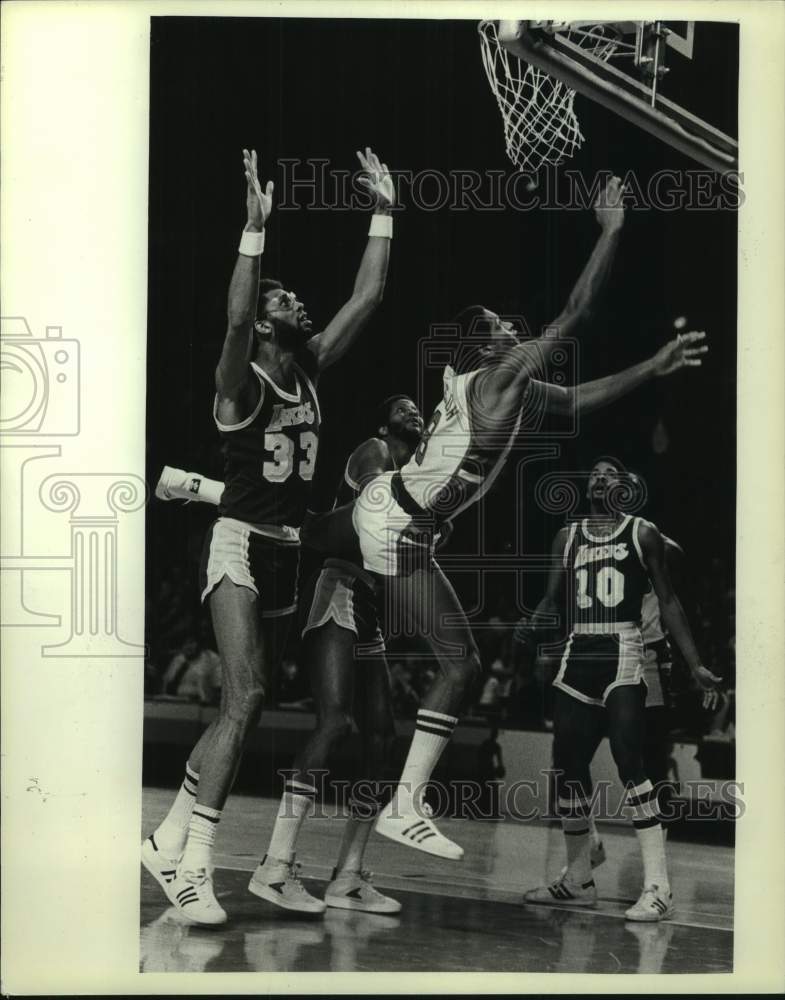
[265, 285]
[382, 413]
[611, 460]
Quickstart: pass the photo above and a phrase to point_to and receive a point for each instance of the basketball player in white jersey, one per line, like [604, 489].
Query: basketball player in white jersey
[602, 566]
[395, 518]
[267, 412]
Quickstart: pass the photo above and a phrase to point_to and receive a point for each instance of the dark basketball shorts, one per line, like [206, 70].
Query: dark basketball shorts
[594, 665]
[343, 594]
[250, 557]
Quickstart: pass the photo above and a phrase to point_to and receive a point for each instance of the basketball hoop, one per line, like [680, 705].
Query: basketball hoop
[535, 69]
[540, 124]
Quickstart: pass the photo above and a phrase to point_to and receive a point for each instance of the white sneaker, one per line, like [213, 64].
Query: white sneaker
[176, 484]
[162, 868]
[353, 891]
[654, 904]
[416, 831]
[563, 892]
[192, 893]
[279, 883]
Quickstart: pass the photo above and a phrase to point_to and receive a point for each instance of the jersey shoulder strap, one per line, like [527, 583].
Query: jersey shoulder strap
[570, 541]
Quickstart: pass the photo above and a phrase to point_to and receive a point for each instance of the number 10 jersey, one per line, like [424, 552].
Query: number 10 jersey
[607, 576]
[270, 457]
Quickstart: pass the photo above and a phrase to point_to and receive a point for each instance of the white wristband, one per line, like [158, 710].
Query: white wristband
[251, 244]
[381, 225]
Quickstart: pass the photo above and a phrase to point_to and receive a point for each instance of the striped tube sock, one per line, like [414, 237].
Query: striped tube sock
[296, 800]
[573, 812]
[355, 835]
[431, 735]
[202, 828]
[171, 834]
[642, 801]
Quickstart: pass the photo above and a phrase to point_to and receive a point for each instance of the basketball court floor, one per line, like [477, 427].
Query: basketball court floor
[456, 917]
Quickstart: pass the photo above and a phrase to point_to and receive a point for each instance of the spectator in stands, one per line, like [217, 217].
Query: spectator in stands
[194, 673]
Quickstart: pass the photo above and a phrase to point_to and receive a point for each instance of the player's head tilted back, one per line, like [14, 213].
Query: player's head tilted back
[281, 317]
[607, 480]
[398, 417]
[485, 337]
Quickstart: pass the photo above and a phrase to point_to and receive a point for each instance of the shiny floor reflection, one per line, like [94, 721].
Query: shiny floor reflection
[455, 917]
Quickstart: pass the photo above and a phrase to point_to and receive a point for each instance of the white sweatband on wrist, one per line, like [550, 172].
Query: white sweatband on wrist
[251, 244]
[381, 225]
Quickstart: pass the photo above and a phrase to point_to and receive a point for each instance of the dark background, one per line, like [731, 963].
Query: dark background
[417, 93]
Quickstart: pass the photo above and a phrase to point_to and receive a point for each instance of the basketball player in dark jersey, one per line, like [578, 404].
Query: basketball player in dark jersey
[602, 566]
[267, 412]
[344, 651]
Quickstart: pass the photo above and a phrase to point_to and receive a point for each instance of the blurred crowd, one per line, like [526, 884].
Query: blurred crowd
[182, 662]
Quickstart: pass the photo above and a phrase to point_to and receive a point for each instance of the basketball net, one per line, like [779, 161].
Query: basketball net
[540, 125]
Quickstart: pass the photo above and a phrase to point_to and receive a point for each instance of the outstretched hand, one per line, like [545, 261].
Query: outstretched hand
[684, 351]
[609, 205]
[259, 203]
[377, 179]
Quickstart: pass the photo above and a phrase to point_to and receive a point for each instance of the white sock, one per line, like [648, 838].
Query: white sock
[355, 838]
[594, 833]
[171, 834]
[642, 800]
[431, 735]
[296, 800]
[577, 840]
[202, 828]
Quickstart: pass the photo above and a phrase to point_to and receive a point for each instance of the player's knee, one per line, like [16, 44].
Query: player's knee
[245, 706]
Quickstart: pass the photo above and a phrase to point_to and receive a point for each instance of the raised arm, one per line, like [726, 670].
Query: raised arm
[341, 331]
[609, 212]
[684, 351]
[653, 552]
[512, 374]
[232, 383]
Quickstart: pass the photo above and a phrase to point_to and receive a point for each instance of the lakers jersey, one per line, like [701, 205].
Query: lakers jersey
[271, 456]
[607, 578]
[451, 468]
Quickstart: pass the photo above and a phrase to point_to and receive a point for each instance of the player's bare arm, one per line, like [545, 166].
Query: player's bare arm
[653, 551]
[609, 213]
[546, 614]
[501, 387]
[684, 351]
[329, 345]
[233, 386]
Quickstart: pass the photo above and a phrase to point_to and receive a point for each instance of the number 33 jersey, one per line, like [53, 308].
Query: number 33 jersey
[607, 576]
[270, 457]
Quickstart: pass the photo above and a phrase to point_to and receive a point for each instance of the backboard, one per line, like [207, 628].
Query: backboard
[622, 65]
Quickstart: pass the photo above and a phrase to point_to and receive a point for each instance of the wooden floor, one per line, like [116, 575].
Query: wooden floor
[464, 916]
